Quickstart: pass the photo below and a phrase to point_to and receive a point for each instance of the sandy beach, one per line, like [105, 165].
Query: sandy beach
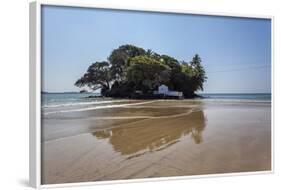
[154, 138]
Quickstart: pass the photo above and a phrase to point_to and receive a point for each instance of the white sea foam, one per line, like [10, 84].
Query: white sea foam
[99, 107]
[83, 103]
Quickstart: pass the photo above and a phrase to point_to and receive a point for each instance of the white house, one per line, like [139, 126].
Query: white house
[164, 90]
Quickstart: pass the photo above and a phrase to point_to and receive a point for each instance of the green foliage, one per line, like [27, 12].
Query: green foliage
[132, 69]
[198, 73]
[146, 73]
[118, 59]
[171, 62]
[122, 89]
[98, 76]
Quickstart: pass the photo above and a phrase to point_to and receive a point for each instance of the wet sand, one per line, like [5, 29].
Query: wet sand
[156, 139]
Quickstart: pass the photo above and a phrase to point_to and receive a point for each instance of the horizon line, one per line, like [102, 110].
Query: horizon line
[195, 93]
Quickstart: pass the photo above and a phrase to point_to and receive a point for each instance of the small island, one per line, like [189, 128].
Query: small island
[133, 72]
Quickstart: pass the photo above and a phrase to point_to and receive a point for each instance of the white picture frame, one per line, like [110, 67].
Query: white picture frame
[35, 91]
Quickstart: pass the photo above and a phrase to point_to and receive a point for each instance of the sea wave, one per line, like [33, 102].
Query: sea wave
[98, 107]
[83, 103]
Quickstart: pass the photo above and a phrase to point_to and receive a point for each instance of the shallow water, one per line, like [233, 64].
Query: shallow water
[156, 139]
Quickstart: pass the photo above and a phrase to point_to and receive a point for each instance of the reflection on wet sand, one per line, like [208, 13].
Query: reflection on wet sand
[137, 138]
[158, 139]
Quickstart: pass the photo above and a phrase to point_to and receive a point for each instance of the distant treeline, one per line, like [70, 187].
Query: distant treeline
[130, 69]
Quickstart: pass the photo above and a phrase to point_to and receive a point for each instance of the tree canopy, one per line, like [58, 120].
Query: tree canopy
[118, 59]
[98, 76]
[130, 69]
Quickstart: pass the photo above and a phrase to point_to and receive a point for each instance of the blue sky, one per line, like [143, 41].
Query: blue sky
[235, 52]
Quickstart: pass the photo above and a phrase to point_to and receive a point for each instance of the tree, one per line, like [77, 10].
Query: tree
[118, 59]
[171, 62]
[122, 89]
[130, 68]
[146, 73]
[190, 78]
[97, 77]
[198, 73]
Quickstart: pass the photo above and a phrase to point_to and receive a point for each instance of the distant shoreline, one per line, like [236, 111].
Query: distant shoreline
[73, 98]
[251, 96]
[249, 93]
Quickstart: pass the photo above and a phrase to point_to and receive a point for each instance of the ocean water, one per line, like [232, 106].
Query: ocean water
[72, 102]
[238, 96]
[60, 99]
[63, 100]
